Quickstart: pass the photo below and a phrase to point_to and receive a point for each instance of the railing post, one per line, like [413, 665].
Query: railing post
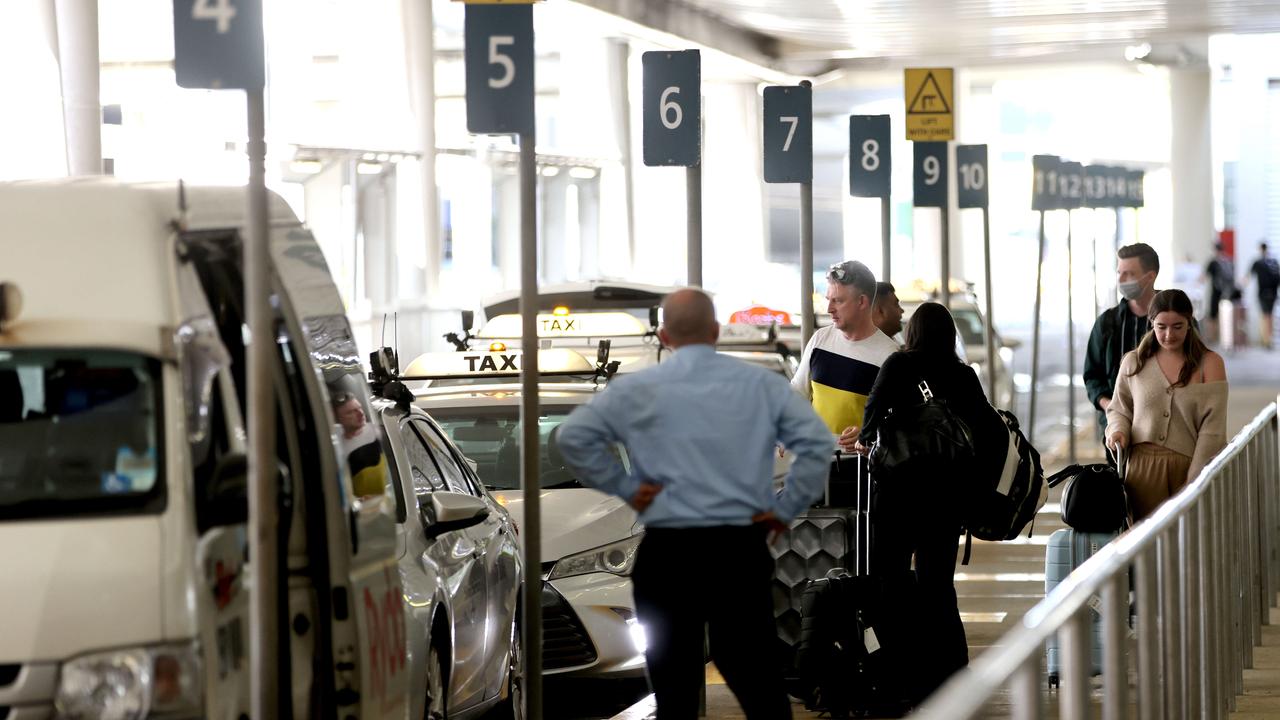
[1225, 602]
[1026, 689]
[1170, 621]
[1252, 546]
[1150, 705]
[1077, 661]
[1207, 671]
[1189, 530]
[1115, 668]
[1239, 538]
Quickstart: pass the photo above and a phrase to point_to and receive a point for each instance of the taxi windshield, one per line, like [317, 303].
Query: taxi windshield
[491, 438]
[78, 433]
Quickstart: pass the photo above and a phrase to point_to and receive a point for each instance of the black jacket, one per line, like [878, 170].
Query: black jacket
[1116, 332]
[948, 379]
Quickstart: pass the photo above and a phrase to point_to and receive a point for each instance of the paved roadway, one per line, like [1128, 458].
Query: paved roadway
[1003, 581]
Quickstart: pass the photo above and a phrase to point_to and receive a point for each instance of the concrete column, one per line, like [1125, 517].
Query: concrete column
[618, 61]
[77, 52]
[419, 44]
[1191, 162]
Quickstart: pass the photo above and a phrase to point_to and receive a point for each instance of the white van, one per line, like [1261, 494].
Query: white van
[123, 550]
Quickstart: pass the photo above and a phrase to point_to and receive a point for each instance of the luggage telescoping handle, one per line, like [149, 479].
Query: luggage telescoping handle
[1122, 461]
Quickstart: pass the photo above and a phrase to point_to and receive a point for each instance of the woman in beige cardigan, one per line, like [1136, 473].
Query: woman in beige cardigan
[1169, 407]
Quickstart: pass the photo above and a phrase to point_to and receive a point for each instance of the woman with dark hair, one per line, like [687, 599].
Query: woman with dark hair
[1169, 407]
[918, 516]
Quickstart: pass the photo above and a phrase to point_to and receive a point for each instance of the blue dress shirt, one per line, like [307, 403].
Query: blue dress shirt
[704, 426]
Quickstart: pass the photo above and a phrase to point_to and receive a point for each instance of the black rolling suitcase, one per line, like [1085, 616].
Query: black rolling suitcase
[853, 621]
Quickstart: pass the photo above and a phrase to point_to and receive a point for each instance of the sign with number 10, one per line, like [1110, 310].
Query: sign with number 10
[971, 176]
[499, 63]
[870, 168]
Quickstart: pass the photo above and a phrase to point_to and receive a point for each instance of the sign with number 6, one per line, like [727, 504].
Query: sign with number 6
[672, 107]
[499, 67]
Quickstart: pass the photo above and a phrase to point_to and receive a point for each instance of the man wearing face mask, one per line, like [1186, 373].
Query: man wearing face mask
[1119, 329]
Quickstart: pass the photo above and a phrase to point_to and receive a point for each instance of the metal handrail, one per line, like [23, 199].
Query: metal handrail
[1207, 570]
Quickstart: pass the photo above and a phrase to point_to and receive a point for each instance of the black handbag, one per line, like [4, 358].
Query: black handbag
[930, 430]
[1094, 499]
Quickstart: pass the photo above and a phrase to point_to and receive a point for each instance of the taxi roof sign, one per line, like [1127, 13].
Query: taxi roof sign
[760, 315]
[930, 99]
[568, 325]
[443, 365]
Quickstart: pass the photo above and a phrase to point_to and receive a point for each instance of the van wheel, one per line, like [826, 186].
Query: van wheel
[436, 705]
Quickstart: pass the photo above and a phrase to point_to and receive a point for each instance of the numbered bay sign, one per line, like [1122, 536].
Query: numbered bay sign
[788, 134]
[971, 176]
[1044, 182]
[1134, 188]
[930, 175]
[1070, 185]
[672, 107]
[499, 66]
[1095, 186]
[870, 169]
[218, 44]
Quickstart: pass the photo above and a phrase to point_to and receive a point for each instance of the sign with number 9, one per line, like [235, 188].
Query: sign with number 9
[930, 176]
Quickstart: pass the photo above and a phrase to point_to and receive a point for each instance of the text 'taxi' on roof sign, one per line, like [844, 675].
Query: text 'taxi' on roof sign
[930, 98]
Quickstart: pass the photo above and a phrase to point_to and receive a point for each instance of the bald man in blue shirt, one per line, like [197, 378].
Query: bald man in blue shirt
[700, 430]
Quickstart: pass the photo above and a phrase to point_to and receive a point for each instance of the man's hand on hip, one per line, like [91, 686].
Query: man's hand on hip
[644, 496]
[775, 526]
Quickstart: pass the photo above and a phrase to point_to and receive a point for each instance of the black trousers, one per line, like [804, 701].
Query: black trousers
[716, 578]
[920, 521]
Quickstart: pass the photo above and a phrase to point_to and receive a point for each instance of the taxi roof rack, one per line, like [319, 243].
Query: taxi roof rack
[385, 380]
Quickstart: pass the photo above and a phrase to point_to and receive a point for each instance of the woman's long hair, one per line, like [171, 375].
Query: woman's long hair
[1193, 347]
[932, 331]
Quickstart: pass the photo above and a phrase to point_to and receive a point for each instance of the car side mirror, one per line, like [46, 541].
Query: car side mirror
[226, 496]
[449, 511]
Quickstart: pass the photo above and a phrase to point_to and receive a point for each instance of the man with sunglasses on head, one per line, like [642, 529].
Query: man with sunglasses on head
[841, 361]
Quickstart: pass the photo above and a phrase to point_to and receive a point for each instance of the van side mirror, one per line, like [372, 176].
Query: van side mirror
[468, 321]
[226, 497]
[449, 511]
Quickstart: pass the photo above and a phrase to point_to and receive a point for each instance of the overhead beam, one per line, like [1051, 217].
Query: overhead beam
[676, 18]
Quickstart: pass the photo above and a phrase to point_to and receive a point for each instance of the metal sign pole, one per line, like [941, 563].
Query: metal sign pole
[529, 440]
[806, 263]
[263, 545]
[946, 249]
[1035, 339]
[989, 328]
[693, 199]
[885, 245]
[1071, 349]
[1093, 266]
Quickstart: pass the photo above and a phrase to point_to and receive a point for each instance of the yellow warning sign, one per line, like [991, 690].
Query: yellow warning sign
[930, 98]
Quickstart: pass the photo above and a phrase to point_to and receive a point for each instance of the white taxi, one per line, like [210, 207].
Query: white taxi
[589, 539]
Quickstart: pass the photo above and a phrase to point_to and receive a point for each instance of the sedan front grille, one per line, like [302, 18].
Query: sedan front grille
[565, 642]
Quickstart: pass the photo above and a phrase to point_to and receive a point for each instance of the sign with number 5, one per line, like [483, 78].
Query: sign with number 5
[499, 61]
[217, 44]
[672, 107]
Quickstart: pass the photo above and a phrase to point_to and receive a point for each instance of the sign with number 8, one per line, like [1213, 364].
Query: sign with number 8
[870, 168]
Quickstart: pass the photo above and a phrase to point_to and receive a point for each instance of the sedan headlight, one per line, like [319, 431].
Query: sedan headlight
[146, 682]
[617, 558]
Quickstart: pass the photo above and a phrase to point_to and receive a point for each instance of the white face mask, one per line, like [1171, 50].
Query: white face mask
[1131, 290]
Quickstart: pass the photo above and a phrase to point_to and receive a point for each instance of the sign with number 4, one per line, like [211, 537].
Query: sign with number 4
[217, 44]
[870, 168]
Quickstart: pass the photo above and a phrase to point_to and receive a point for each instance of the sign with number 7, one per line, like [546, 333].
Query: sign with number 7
[788, 134]
[499, 67]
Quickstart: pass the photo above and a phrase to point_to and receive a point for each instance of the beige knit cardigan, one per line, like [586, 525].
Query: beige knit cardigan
[1190, 420]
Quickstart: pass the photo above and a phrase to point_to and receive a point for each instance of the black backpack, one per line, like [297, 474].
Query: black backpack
[927, 430]
[1001, 504]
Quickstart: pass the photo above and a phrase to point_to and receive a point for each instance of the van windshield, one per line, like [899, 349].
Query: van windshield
[78, 433]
